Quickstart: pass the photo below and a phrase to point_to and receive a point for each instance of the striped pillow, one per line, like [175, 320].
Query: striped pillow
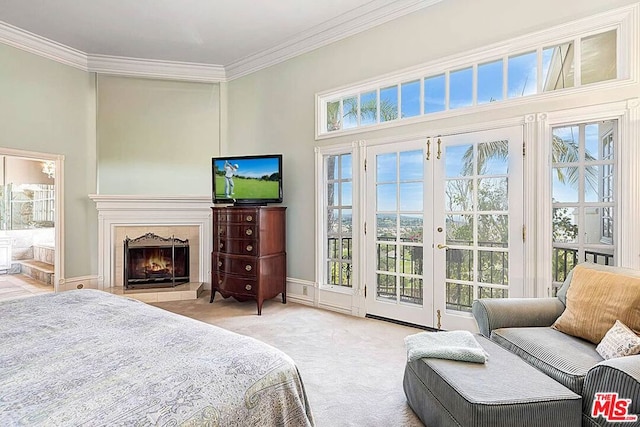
[596, 298]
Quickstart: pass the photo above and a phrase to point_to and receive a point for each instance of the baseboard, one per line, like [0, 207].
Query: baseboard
[82, 282]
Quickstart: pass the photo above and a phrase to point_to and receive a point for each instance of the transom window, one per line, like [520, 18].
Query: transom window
[560, 60]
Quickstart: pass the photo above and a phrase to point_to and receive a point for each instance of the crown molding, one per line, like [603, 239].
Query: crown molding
[355, 21]
[348, 24]
[150, 68]
[33, 43]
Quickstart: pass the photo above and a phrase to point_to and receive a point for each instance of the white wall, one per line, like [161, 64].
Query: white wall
[273, 110]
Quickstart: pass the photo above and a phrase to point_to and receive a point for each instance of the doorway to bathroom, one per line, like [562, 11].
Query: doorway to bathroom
[29, 217]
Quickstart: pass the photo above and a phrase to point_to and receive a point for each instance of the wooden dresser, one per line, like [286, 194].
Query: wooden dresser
[249, 260]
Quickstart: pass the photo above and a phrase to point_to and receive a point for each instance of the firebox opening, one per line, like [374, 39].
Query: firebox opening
[154, 261]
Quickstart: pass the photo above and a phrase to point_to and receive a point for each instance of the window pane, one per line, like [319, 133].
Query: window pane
[459, 297]
[564, 225]
[350, 112]
[332, 196]
[410, 95]
[333, 116]
[564, 147]
[333, 273]
[459, 230]
[557, 67]
[490, 78]
[332, 166]
[411, 165]
[333, 216]
[346, 221]
[369, 108]
[386, 288]
[389, 103]
[522, 71]
[346, 169]
[459, 160]
[459, 264]
[387, 197]
[492, 194]
[411, 227]
[461, 88]
[347, 199]
[486, 292]
[493, 230]
[459, 195]
[345, 276]
[411, 290]
[386, 227]
[386, 167]
[347, 248]
[387, 253]
[411, 197]
[493, 267]
[493, 158]
[411, 261]
[434, 94]
[598, 57]
[565, 185]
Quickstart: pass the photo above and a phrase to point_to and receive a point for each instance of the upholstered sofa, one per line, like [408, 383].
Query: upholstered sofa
[565, 337]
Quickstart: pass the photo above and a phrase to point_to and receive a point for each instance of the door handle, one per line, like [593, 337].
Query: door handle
[441, 246]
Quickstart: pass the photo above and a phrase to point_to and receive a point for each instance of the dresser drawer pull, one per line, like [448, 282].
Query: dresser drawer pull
[221, 245]
[248, 267]
[219, 263]
[248, 287]
[249, 248]
[249, 232]
[219, 281]
[249, 218]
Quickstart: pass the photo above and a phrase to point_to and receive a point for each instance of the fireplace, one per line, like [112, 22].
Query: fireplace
[152, 261]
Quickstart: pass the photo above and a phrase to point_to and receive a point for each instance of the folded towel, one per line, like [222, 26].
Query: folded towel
[454, 345]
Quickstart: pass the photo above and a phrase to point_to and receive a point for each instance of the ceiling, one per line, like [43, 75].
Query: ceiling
[234, 35]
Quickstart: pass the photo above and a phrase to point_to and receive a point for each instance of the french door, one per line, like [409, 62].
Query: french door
[445, 218]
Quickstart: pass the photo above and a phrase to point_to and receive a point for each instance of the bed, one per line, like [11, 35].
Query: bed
[87, 357]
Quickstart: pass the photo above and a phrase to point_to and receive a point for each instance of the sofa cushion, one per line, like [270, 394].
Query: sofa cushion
[596, 298]
[564, 358]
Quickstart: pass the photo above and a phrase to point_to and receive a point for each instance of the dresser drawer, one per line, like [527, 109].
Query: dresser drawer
[236, 246]
[237, 230]
[241, 265]
[238, 216]
[235, 285]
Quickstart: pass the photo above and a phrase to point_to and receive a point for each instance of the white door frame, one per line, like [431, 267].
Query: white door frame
[58, 264]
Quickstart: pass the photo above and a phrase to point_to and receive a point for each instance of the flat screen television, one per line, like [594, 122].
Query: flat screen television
[247, 180]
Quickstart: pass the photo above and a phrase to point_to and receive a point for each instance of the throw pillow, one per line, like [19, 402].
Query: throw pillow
[619, 341]
[596, 298]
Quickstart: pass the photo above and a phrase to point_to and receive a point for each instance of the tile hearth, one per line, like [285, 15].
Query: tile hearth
[185, 291]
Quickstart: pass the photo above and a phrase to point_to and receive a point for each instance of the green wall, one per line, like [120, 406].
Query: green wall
[48, 107]
[156, 137]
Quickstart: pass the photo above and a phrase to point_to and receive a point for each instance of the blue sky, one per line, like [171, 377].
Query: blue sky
[253, 168]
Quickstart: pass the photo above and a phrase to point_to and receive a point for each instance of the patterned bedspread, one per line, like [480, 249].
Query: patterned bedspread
[90, 358]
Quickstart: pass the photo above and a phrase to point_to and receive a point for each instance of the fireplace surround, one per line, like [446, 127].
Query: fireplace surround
[186, 217]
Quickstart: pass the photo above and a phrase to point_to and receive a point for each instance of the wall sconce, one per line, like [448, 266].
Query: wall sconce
[49, 168]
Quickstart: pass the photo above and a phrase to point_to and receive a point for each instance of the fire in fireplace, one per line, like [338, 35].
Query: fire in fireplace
[154, 261]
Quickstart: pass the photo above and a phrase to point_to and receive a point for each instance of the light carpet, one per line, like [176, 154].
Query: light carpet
[352, 367]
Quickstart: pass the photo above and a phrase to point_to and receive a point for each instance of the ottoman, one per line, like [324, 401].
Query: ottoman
[504, 392]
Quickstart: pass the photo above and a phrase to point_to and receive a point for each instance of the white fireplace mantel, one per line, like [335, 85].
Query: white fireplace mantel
[141, 210]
